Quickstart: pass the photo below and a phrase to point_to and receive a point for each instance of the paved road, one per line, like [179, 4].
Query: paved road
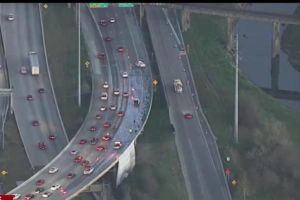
[200, 171]
[19, 37]
[110, 71]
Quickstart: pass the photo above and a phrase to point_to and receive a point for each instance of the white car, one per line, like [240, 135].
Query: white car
[125, 75]
[10, 17]
[105, 85]
[23, 70]
[116, 92]
[117, 145]
[104, 96]
[88, 170]
[112, 20]
[102, 108]
[47, 194]
[53, 170]
[140, 64]
[16, 196]
[74, 152]
[112, 107]
[55, 187]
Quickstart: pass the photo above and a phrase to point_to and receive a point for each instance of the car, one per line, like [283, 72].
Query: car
[120, 49]
[98, 117]
[40, 182]
[106, 137]
[102, 108]
[42, 146]
[106, 125]
[74, 152]
[29, 196]
[46, 194]
[88, 170]
[140, 64]
[53, 170]
[78, 159]
[39, 190]
[101, 56]
[71, 175]
[107, 39]
[100, 148]
[16, 196]
[104, 96]
[29, 97]
[125, 75]
[92, 129]
[112, 107]
[55, 187]
[116, 92]
[23, 70]
[103, 22]
[35, 123]
[41, 90]
[94, 141]
[51, 137]
[112, 20]
[125, 94]
[10, 17]
[85, 163]
[82, 141]
[117, 145]
[120, 114]
[62, 190]
[188, 116]
[105, 85]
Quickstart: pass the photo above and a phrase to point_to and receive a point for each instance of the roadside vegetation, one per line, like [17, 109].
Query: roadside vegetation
[61, 37]
[266, 162]
[157, 174]
[290, 42]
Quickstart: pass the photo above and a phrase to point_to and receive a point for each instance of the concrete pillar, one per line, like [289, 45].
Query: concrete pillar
[185, 20]
[231, 23]
[142, 13]
[275, 60]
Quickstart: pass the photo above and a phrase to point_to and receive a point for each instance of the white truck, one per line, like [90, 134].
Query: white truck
[178, 86]
[34, 63]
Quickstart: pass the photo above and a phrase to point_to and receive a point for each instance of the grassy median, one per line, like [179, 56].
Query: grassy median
[266, 162]
[61, 36]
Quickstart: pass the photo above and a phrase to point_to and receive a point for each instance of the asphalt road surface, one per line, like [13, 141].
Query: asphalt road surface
[109, 70]
[19, 37]
[199, 168]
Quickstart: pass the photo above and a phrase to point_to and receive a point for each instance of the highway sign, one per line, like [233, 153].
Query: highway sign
[125, 5]
[98, 5]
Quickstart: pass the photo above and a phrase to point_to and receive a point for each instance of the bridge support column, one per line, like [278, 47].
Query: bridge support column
[231, 23]
[142, 13]
[126, 163]
[185, 20]
[275, 61]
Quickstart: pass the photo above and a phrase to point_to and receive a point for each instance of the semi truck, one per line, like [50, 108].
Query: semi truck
[34, 63]
[178, 86]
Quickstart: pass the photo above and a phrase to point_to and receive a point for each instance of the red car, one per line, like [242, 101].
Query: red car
[82, 141]
[107, 39]
[39, 182]
[29, 98]
[35, 123]
[101, 56]
[52, 137]
[98, 117]
[78, 159]
[121, 49]
[42, 146]
[94, 141]
[106, 125]
[103, 22]
[92, 128]
[106, 137]
[41, 90]
[120, 114]
[63, 190]
[188, 116]
[29, 196]
[70, 175]
[100, 148]
[85, 163]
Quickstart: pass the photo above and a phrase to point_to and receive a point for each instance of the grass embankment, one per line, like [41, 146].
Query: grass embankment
[157, 174]
[290, 42]
[266, 162]
[61, 36]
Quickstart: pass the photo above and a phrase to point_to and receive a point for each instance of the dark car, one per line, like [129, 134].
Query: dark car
[41, 90]
[101, 56]
[94, 141]
[107, 39]
[120, 114]
[35, 123]
[98, 117]
[85, 163]
[188, 116]
[42, 146]
[39, 182]
[92, 128]
[29, 97]
[70, 175]
[103, 22]
[29, 196]
[39, 190]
